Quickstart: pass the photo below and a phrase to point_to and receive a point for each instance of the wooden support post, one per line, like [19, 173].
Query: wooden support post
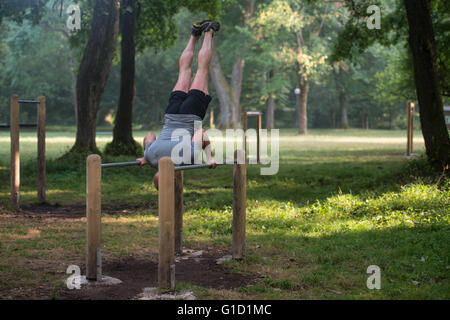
[179, 210]
[93, 214]
[15, 156]
[410, 128]
[239, 205]
[245, 136]
[166, 202]
[258, 133]
[41, 149]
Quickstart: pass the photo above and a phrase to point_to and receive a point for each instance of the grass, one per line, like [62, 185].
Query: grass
[342, 200]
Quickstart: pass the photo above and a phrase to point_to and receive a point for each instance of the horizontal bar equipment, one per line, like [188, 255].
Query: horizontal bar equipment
[176, 168]
[253, 113]
[29, 101]
[120, 164]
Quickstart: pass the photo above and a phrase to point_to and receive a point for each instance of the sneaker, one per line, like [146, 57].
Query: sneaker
[211, 25]
[197, 27]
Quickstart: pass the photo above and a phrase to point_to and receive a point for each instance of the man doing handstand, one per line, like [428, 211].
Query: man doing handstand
[186, 104]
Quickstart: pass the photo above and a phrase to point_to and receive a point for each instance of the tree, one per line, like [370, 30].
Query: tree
[229, 94]
[143, 24]
[423, 47]
[94, 71]
[301, 24]
[123, 142]
[415, 24]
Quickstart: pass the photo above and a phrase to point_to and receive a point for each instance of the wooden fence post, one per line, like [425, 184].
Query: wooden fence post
[41, 149]
[93, 214]
[15, 156]
[239, 205]
[244, 147]
[258, 133]
[166, 202]
[410, 128]
[179, 210]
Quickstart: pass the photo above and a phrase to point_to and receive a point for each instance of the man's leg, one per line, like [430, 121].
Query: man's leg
[184, 75]
[150, 137]
[204, 59]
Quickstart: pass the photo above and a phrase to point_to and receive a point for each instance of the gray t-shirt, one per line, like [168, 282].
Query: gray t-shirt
[177, 125]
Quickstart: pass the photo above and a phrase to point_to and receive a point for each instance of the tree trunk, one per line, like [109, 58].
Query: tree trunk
[343, 108]
[74, 79]
[230, 94]
[223, 90]
[423, 47]
[123, 142]
[236, 85]
[94, 71]
[303, 117]
[270, 119]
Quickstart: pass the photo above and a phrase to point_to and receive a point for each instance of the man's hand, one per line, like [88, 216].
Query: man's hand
[142, 161]
[213, 163]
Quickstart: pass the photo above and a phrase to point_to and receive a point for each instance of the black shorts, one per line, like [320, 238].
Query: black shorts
[194, 102]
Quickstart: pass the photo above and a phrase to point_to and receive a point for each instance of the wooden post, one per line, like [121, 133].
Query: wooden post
[410, 128]
[15, 156]
[93, 214]
[245, 136]
[239, 205]
[166, 202]
[41, 149]
[179, 210]
[258, 133]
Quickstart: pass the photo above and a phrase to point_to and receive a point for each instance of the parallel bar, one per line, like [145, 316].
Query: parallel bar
[120, 164]
[253, 113]
[29, 101]
[179, 210]
[166, 204]
[15, 156]
[192, 166]
[41, 150]
[93, 217]
[177, 168]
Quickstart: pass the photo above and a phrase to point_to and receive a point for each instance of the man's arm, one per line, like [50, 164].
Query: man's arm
[201, 137]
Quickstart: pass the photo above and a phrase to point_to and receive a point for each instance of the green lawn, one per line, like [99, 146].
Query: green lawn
[341, 201]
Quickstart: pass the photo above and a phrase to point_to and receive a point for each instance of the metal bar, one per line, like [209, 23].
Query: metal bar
[120, 164]
[182, 167]
[253, 113]
[199, 166]
[29, 101]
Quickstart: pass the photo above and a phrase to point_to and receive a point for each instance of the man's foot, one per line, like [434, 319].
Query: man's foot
[211, 25]
[197, 27]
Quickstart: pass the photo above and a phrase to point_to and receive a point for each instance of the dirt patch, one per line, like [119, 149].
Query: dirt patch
[72, 211]
[138, 273]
